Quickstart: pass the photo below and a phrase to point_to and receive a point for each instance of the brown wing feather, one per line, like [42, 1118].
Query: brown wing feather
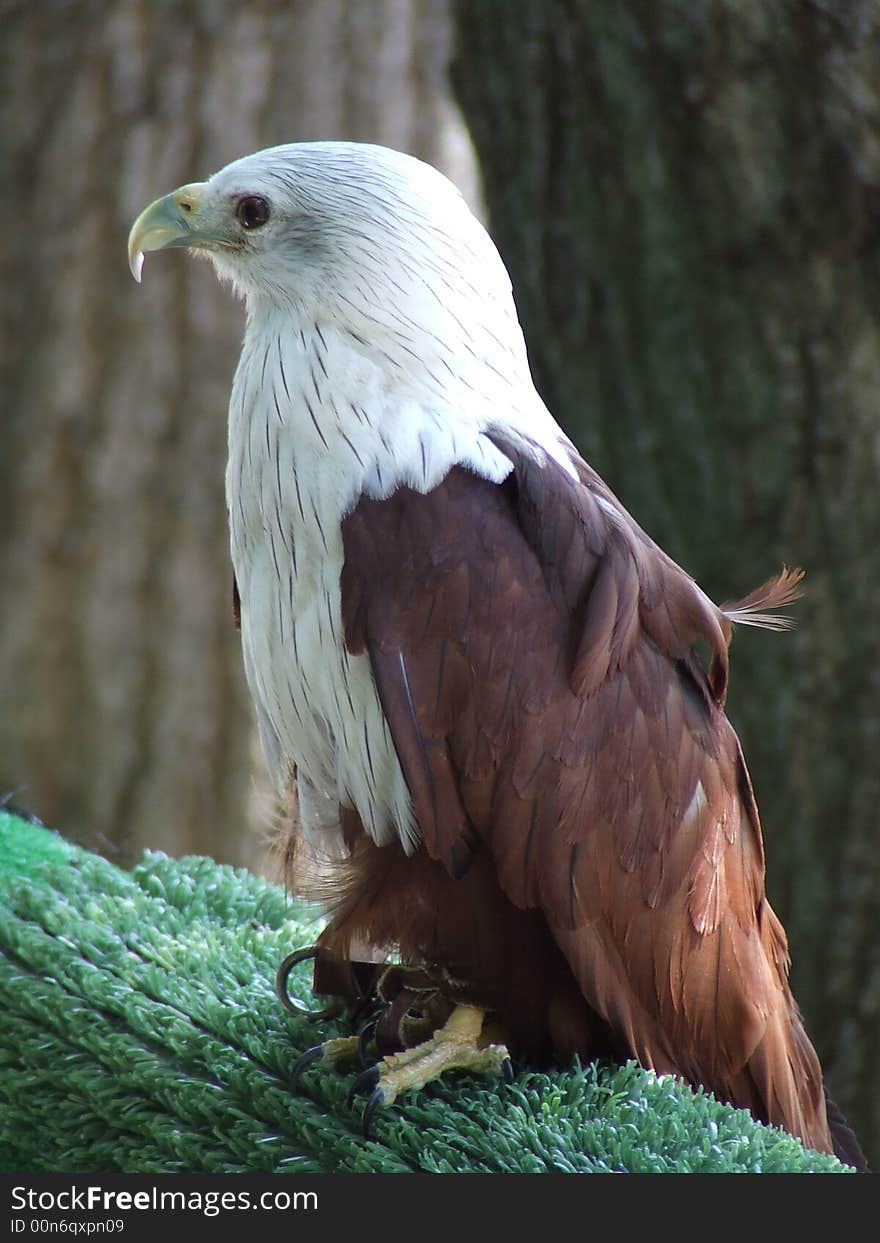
[535, 657]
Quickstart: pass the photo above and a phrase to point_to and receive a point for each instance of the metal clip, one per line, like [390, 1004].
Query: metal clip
[290, 1004]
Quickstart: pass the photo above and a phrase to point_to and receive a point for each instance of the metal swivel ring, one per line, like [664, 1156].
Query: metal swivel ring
[290, 1004]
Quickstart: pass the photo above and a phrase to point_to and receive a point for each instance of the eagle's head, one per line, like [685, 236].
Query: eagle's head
[373, 259]
[374, 242]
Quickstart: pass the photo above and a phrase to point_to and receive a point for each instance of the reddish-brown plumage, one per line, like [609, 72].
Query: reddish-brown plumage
[592, 861]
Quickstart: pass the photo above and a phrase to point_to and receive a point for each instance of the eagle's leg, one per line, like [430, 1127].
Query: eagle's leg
[462, 1043]
[420, 1018]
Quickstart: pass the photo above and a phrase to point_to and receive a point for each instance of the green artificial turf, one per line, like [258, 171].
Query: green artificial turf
[140, 1032]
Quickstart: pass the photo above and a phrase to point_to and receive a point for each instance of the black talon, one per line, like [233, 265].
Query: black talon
[365, 1035]
[305, 1060]
[377, 1098]
[507, 1070]
[366, 1080]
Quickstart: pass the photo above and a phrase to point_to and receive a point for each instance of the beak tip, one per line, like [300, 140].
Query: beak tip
[166, 222]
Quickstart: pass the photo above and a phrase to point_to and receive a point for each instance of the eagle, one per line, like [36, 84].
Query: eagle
[501, 702]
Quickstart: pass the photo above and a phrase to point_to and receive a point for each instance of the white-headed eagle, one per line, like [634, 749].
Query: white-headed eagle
[510, 747]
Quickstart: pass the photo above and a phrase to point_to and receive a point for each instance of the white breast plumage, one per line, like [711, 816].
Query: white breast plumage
[301, 451]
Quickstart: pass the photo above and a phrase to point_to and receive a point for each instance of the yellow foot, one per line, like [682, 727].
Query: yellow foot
[331, 1053]
[457, 1045]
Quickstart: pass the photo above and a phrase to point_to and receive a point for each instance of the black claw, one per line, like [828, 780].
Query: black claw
[507, 1070]
[305, 1060]
[364, 1037]
[366, 1080]
[377, 1099]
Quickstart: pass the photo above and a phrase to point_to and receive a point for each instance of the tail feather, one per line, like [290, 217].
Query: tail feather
[846, 1147]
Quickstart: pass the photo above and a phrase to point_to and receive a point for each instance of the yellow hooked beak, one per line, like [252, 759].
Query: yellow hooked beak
[174, 220]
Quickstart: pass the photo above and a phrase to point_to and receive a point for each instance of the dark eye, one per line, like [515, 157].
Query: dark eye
[252, 211]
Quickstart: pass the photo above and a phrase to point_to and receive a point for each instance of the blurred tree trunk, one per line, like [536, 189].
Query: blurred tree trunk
[688, 198]
[125, 717]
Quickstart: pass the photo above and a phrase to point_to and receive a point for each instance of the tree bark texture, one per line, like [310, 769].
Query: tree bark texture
[688, 198]
[124, 714]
